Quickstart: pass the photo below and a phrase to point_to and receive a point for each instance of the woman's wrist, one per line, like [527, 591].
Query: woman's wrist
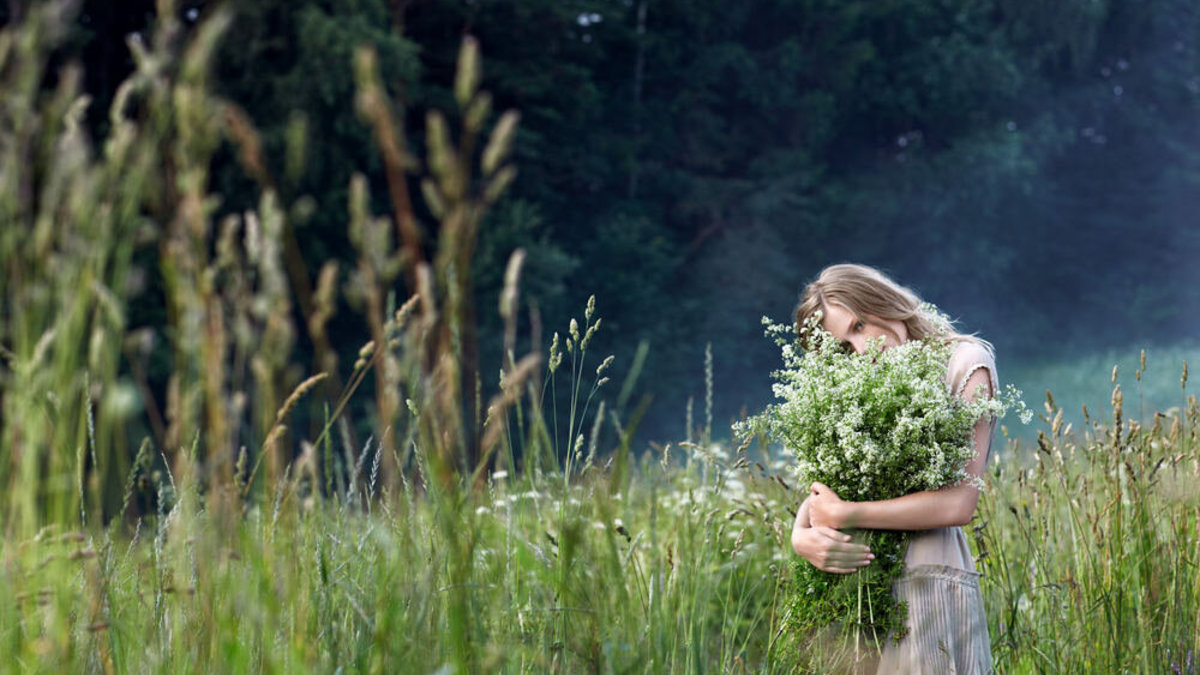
[847, 515]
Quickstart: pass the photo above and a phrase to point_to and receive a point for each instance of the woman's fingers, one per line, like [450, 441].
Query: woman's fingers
[843, 566]
[840, 541]
[845, 560]
[838, 554]
[833, 534]
[819, 488]
[830, 550]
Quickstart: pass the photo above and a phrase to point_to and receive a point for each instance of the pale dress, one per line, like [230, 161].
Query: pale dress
[947, 627]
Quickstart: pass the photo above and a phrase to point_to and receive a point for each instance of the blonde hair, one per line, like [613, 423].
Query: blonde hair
[866, 291]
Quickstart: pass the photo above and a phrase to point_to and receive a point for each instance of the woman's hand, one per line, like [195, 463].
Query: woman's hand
[826, 548]
[826, 508]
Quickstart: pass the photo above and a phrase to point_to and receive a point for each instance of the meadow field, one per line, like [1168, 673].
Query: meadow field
[230, 516]
[675, 562]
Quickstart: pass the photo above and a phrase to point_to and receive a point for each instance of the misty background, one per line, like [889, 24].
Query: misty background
[1031, 168]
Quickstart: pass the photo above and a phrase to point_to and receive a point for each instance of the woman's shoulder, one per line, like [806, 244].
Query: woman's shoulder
[971, 348]
[970, 354]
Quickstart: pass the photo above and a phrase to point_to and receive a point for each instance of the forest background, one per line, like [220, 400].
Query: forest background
[1033, 168]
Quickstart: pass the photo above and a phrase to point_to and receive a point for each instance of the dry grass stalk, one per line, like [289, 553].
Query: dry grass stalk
[297, 394]
[514, 385]
[270, 444]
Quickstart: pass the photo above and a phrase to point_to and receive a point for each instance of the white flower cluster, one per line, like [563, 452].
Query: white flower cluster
[872, 426]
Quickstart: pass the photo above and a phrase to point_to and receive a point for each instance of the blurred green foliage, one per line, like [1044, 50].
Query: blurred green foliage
[1031, 168]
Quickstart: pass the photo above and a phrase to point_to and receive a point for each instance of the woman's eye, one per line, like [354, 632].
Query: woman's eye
[858, 326]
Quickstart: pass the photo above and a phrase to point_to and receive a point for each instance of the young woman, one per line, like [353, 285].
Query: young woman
[947, 626]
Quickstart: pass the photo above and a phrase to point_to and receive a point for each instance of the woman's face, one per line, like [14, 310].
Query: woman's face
[856, 332]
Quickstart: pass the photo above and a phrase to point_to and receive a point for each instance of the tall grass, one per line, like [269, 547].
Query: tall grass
[462, 535]
[1093, 544]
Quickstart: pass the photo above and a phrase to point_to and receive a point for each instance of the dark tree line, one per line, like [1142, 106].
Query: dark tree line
[1031, 167]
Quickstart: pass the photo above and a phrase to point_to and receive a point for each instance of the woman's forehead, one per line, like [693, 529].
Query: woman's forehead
[836, 315]
[838, 310]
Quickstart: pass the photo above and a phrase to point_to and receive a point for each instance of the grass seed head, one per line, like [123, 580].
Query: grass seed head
[500, 143]
[466, 80]
[83, 554]
[587, 337]
[555, 354]
[297, 394]
[512, 276]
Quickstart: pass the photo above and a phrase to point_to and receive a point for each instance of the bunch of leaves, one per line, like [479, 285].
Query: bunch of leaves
[871, 426]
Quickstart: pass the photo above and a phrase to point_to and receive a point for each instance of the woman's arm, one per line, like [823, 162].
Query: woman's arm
[826, 548]
[918, 511]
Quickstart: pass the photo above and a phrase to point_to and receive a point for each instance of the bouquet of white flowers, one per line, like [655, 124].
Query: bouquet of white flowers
[873, 426]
